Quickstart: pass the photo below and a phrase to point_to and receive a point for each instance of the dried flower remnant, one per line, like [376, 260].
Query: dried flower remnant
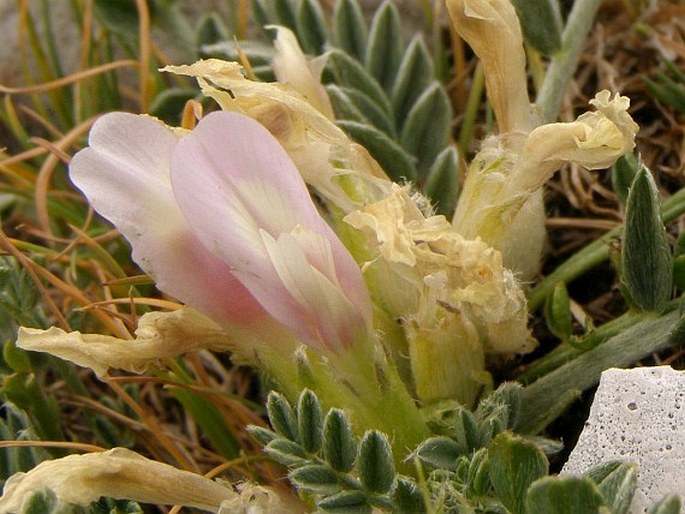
[160, 335]
[122, 474]
[501, 199]
[292, 67]
[448, 291]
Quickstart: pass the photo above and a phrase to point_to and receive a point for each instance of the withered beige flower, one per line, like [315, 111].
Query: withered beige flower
[122, 474]
[491, 28]
[450, 293]
[159, 336]
[501, 199]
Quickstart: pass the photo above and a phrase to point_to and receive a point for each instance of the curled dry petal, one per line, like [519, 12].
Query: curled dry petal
[500, 201]
[594, 140]
[117, 473]
[160, 335]
[246, 202]
[491, 28]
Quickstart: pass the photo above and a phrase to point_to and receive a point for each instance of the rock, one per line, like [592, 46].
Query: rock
[638, 416]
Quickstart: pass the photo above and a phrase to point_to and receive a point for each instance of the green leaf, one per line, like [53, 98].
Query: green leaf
[16, 358]
[386, 45]
[344, 71]
[262, 435]
[311, 27]
[467, 433]
[353, 105]
[41, 502]
[558, 312]
[118, 16]
[507, 395]
[27, 394]
[541, 24]
[394, 160]
[376, 465]
[310, 421]
[260, 14]
[666, 91]
[647, 264]
[407, 497]
[565, 495]
[415, 74]
[514, 465]
[346, 502]
[426, 130]
[617, 482]
[339, 444]
[210, 419]
[283, 13]
[19, 296]
[440, 452]
[442, 181]
[350, 28]
[478, 475]
[316, 479]
[211, 29]
[286, 452]
[281, 415]
[667, 505]
[623, 174]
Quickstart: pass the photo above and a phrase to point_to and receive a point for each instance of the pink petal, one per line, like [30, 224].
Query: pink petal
[125, 175]
[241, 193]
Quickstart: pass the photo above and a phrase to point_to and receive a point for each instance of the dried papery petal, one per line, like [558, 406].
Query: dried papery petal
[492, 29]
[117, 473]
[160, 335]
[436, 269]
[500, 201]
[594, 140]
[292, 67]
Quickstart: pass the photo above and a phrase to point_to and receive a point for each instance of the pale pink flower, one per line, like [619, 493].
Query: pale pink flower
[221, 219]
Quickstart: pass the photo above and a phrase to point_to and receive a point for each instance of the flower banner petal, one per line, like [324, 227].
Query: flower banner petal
[124, 173]
[235, 184]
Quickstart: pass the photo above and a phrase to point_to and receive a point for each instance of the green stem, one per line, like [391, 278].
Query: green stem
[651, 334]
[567, 352]
[595, 253]
[564, 63]
[367, 387]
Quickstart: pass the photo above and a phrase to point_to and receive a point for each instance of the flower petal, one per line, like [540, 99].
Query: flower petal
[125, 175]
[291, 67]
[492, 29]
[117, 473]
[594, 140]
[238, 189]
[160, 335]
[320, 149]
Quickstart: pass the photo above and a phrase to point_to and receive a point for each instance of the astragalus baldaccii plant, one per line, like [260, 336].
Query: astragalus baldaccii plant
[365, 296]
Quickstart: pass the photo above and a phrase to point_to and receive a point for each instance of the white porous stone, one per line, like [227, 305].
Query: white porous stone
[638, 416]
